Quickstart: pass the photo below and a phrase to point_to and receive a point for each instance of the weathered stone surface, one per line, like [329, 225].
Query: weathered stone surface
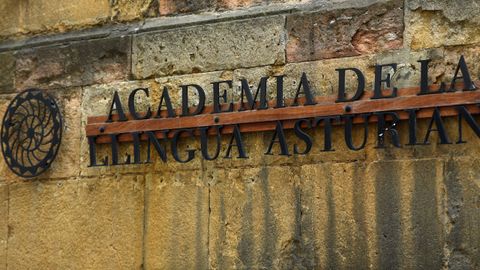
[75, 64]
[338, 210]
[67, 162]
[366, 215]
[169, 7]
[6, 175]
[9, 17]
[255, 218]
[3, 225]
[176, 224]
[233, 4]
[453, 23]
[62, 15]
[126, 10]
[96, 101]
[7, 73]
[453, 10]
[209, 47]
[462, 208]
[349, 32]
[77, 224]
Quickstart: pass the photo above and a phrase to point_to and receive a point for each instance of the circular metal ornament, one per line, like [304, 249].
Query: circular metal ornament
[31, 133]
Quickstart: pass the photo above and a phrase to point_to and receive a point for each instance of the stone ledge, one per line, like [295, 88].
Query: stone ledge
[155, 24]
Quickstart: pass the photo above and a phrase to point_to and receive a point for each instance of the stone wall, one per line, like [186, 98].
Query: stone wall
[417, 207]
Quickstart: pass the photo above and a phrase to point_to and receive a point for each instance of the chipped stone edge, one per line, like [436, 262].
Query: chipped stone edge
[164, 23]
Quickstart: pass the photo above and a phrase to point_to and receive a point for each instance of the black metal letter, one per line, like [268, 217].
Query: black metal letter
[280, 101]
[377, 90]
[201, 100]
[303, 136]
[424, 89]
[306, 90]
[281, 140]
[165, 97]
[131, 105]
[348, 131]
[468, 85]
[412, 127]
[93, 152]
[442, 132]
[156, 143]
[261, 89]
[342, 96]
[327, 120]
[118, 107]
[204, 142]
[237, 136]
[190, 152]
[383, 129]
[217, 108]
[464, 113]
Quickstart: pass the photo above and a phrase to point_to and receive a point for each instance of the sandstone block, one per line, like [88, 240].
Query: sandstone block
[62, 15]
[7, 73]
[177, 210]
[94, 223]
[361, 214]
[255, 218]
[169, 7]
[75, 64]
[10, 11]
[345, 32]
[3, 225]
[441, 23]
[209, 47]
[461, 179]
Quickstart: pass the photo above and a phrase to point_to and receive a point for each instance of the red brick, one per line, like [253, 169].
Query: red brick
[345, 32]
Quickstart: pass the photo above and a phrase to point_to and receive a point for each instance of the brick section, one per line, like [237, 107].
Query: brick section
[79, 63]
[7, 72]
[169, 7]
[346, 32]
[212, 47]
[233, 4]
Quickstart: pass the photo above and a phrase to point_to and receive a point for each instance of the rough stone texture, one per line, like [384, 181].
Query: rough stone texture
[393, 208]
[9, 17]
[169, 7]
[463, 213]
[75, 64]
[177, 220]
[255, 218]
[3, 225]
[210, 47]
[51, 16]
[7, 73]
[373, 215]
[76, 224]
[442, 23]
[453, 10]
[6, 175]
[349, 32]
[67, 162]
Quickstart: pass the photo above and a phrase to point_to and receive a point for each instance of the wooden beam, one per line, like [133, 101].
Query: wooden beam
[263, 120]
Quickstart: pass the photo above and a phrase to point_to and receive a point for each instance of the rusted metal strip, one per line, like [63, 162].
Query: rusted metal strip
[263, 120]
